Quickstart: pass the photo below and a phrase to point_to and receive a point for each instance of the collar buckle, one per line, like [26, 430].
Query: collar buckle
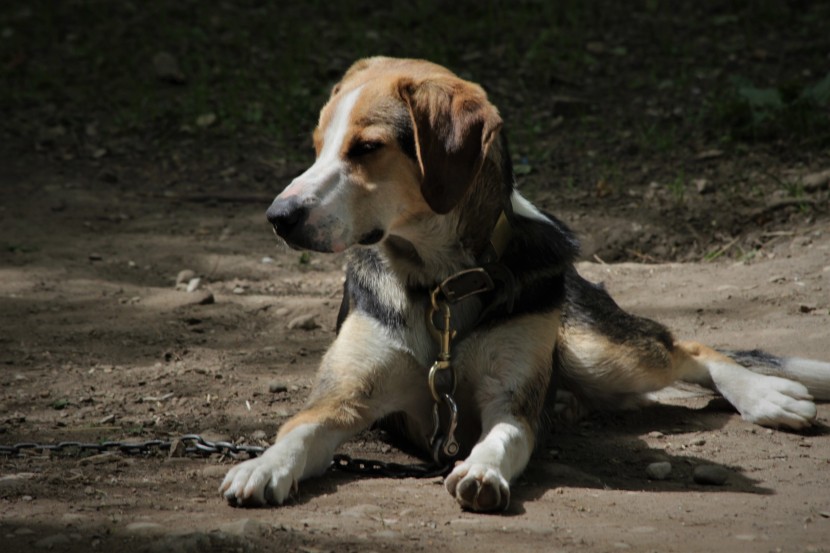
[466, 283]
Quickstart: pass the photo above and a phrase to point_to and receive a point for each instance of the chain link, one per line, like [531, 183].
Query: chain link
[375, 468]
[193, 445]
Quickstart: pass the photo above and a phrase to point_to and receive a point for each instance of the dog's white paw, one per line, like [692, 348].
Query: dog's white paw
[478, 487]
[268, 479]
[776, 402]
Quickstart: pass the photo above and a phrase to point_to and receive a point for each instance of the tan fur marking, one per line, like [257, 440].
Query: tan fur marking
[599, 368]
[334, 415]
[690, 360]
[696, 350]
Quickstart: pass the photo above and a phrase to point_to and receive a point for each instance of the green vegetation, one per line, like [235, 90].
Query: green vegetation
[792, 109]
[264, 68]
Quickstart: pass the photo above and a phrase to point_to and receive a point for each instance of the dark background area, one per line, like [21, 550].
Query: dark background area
[660, 130]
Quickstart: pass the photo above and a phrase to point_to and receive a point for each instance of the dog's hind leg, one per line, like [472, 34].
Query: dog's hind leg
[610, 374]
[756, 390]
[612, 358]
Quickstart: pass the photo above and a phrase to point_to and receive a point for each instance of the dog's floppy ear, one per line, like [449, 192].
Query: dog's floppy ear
[454, 125]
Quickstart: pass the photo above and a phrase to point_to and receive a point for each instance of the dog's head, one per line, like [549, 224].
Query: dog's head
[398, 140]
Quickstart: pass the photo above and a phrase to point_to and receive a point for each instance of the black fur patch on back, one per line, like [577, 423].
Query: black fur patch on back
[754, 358]
[589, 305]
[539, 256]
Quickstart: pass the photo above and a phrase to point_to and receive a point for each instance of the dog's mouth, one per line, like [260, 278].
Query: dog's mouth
[372, 237]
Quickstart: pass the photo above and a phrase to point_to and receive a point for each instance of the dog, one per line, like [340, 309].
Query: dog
[462, 309]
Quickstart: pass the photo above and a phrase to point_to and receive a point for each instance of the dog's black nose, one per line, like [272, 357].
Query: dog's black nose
[286, 215]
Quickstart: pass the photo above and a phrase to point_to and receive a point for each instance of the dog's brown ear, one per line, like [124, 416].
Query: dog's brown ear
[454, 125]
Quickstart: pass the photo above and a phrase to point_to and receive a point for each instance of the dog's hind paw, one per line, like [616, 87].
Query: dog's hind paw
[778, 402]
[259, 482]
[478, 487]
[765, 400]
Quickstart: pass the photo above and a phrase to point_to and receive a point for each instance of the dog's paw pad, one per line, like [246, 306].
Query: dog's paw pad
[478, 488]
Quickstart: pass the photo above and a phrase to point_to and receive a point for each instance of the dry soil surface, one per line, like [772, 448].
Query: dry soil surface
[97, 342]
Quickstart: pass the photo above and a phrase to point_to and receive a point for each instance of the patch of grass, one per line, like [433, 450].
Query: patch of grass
[677, 187]
[789, 110]
[794, 189]
[21, 248]
[260, 67]
[656, 137]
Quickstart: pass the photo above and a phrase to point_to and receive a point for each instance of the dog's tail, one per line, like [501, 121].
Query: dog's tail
[815, 375]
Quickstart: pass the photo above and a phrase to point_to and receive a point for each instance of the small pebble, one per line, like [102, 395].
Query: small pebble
[72, 518]
[167, 68]
[245, 527]
[277, 387]
[304, 322]
[51, 542]
[658, 471]
[364, 510]
[185, 276]
[193, 284]
[143, 527]
[711, 475]
[703, 186]
[206, 120]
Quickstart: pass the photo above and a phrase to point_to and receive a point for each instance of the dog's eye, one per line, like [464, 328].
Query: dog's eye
[364, 147]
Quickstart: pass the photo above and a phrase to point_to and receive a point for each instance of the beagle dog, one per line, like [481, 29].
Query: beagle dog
[413, 180]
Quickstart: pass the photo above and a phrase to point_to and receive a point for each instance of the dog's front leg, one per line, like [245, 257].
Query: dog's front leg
[512, 366]
[482, 481]
[362, 378]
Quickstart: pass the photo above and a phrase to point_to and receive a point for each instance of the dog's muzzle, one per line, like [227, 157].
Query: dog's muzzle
[287, 216]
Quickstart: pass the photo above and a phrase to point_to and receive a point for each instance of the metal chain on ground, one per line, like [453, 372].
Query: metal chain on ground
[193, 444]
[375, 468]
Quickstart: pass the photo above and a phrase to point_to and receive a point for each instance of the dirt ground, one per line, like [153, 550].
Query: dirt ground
[686, 142]
[98, 343]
